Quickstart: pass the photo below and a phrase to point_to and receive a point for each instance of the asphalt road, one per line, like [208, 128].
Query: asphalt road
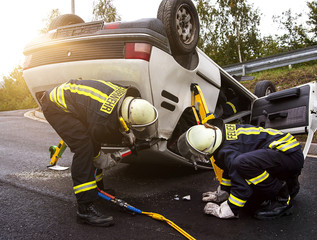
[37, 203]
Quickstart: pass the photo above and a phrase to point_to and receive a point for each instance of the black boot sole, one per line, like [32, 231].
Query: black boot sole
[287, 212]
[85, 221]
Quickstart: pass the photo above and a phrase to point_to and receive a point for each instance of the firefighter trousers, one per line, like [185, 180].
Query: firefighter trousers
[265, 169]
[76, 136]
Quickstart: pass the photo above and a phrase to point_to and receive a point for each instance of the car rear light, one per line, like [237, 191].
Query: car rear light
[27, 62]
[114, 25]
[138, 51]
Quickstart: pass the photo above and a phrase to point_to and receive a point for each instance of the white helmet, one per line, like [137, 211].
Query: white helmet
[203, 140]
[138, 113]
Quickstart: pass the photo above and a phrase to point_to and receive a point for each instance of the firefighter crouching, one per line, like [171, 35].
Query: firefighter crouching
[254, 160]
[85, 113]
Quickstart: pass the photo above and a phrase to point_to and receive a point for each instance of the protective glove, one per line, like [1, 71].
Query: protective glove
[217, 196]
[104, 161]
[222, 211]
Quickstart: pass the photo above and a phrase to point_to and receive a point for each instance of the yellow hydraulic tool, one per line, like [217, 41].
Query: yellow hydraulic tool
[155, 216]
[205, 115]
[56, 153]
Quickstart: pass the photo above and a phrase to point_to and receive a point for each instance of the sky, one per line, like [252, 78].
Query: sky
[21, 20]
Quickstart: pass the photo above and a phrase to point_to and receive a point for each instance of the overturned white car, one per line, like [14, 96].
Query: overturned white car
[159, 57]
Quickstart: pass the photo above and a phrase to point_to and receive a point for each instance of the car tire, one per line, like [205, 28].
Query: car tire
[64, 20]
[264, 88]
[181, 23]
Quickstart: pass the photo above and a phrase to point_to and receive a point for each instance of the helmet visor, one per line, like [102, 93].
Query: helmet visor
[189, 152]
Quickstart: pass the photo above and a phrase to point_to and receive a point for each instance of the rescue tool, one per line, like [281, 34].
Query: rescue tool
[156, 216]
[56, 153]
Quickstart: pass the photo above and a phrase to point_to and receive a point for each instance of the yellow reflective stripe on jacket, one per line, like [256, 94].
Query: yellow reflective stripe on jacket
[98, 177]
[236, 201]
[85, 187]
[232, 106]
[98, 155]
[109, 84]
[284, 143]
[86, 91]
[258, 179]
[57, 97]
[225, 182]
[60, 96]
[257, 131]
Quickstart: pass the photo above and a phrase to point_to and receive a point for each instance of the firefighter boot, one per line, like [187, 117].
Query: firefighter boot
[293, 186]
[87, 213]
[276, 208]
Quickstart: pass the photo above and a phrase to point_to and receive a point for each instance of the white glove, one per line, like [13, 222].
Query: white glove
[104, 161]
[222, 211]
[217, 196]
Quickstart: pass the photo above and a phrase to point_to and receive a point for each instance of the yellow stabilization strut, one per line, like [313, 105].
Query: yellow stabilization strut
[205, 115]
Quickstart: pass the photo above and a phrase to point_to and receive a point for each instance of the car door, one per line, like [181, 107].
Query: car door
[292, 110]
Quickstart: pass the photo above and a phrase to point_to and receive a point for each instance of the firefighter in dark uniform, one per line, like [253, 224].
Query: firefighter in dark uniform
[253, 160]
[85, 113]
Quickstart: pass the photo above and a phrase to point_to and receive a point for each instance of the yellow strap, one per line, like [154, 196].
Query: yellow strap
[123, 124]
[218, 171]
[211, 116]
[162, 218]
[194, 109]
[201, 102]
[196, 115]
[232, 106]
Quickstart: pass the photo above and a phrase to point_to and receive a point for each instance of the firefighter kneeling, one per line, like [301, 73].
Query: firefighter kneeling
[85, 114]
[254, 160]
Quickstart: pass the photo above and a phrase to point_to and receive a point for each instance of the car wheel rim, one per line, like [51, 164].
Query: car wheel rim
[268, 91]
[184, 24]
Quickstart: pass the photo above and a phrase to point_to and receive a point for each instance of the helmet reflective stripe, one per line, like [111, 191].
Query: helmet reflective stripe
[259, 179]
[85, 187]
[236, 201]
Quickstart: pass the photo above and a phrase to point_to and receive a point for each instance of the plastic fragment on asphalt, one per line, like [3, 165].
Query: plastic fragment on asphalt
[187, 198]
[176, 197]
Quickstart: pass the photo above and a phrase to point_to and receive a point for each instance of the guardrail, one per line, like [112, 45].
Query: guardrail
[275, 61]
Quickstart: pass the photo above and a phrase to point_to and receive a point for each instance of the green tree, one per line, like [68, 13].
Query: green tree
[14, 94]
[312, 17]
[229, 30]
[104, 10]
[295, 35]
[47, 21]
[269, 46]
